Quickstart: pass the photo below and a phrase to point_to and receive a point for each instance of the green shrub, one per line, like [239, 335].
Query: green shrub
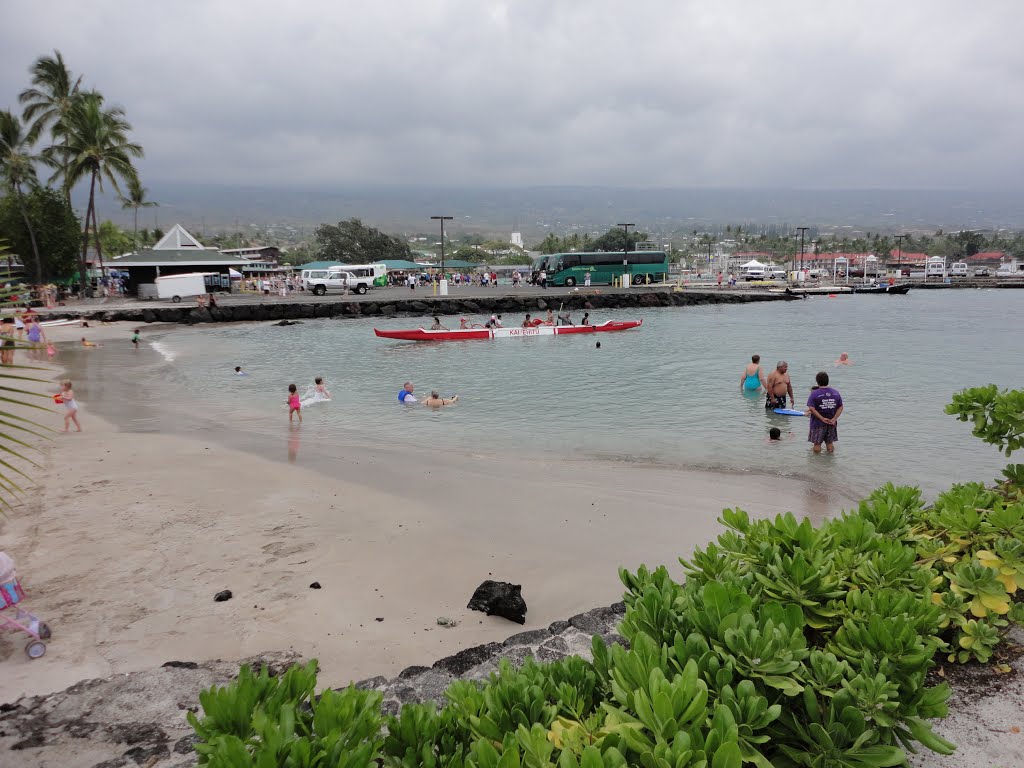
[788, 645]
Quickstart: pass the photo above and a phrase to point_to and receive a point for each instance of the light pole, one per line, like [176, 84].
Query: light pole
[442, 219]
[802, 230]
[899, 256]
[625, 249]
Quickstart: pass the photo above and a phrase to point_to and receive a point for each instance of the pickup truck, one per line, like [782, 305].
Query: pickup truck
[339, 280]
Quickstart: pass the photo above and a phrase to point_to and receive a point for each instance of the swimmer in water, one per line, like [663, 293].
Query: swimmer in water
[752, 378]
[436, 401]
[844, 359]
[405, 395]
[774, 433]
[239, 371]
[86, 343]
[294, 404]
[321, 388]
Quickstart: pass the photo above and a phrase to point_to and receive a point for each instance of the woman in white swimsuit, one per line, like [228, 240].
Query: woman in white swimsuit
[70, 407]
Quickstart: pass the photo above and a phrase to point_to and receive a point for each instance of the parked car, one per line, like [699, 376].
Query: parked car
[982, 272]
[337, 279]
[755, 273]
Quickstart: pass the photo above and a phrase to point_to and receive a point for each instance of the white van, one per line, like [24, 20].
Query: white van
[755, 273]
[958, 269]
[777, 273]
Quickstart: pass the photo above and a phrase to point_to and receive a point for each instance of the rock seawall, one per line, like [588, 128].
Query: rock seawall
[370, 307]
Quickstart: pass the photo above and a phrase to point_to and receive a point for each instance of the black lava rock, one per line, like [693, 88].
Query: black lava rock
[499, 598]
[220, 597]
[315, 585]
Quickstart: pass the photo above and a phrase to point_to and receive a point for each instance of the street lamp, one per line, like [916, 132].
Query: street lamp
[442, 219]
[899, 255]
[625, 249]
[802, 230]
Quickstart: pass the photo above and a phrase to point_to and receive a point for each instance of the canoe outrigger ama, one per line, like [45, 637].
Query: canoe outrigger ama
[422, 334]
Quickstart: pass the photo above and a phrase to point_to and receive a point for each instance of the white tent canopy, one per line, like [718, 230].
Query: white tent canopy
[753, 263]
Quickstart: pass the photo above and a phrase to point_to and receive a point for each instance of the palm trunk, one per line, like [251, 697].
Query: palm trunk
[135, 232]
[31, 235]
[82, 269]
[96, 235]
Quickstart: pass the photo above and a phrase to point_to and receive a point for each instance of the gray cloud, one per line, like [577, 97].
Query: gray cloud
[653, 93]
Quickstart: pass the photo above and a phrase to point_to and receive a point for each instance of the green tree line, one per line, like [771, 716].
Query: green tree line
[72, 133]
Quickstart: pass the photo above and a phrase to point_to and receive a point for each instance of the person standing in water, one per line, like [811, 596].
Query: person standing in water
[826, 406]
[778, 386]
[135, 338]
[294, 404]
[405, 395]
[753, 377]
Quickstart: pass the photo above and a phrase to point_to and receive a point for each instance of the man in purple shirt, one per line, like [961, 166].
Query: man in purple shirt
[825, 405]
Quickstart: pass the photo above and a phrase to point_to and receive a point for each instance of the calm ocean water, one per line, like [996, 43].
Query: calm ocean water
[666, 394]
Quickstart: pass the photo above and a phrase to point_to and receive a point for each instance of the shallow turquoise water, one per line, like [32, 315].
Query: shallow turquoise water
[665, 394]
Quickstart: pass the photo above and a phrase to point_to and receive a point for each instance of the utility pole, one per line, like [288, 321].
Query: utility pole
[442, 219]
[802, 230]
[899, 255]
[625, 249]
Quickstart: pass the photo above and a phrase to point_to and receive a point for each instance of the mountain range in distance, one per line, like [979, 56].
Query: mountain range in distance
[536, 211]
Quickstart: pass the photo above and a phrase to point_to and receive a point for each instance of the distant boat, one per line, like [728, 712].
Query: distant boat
[460, 334]
[898, 289]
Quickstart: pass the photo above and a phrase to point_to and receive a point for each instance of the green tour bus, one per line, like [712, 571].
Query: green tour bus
[603, 267]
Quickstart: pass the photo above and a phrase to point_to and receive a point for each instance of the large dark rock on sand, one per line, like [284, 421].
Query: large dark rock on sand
[499, 598]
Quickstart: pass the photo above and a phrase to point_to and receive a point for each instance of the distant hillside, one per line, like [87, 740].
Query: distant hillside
[539, 210]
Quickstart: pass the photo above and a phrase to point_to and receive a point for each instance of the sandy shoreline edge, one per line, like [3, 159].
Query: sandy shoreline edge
[130, 535]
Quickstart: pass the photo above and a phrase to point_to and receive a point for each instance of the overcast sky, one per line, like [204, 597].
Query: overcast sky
[844, 94]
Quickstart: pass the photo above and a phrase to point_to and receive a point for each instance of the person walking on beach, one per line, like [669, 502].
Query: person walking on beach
[67, 397]
[719, 279]
[752, 378]
[778, 386]
[825, 405]
[7, 350]
[135, 338]
[294, 404]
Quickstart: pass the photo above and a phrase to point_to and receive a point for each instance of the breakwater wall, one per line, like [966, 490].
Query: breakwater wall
[233, 311]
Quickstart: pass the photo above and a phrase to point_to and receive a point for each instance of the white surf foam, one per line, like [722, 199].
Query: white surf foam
[164, 351]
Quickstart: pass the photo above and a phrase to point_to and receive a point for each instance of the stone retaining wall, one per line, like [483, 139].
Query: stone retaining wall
[272, 310]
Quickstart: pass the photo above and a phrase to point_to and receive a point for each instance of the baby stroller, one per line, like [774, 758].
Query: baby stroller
[16, 618]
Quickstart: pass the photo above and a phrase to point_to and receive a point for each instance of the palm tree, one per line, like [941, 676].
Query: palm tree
[135, 199]
[18, 168]
[50, 101]
[95, 147]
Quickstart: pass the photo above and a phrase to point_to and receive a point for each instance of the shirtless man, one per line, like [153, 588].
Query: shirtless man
[436, 401]
[778, 386]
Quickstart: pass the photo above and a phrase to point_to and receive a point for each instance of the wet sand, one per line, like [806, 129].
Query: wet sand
[131, 533]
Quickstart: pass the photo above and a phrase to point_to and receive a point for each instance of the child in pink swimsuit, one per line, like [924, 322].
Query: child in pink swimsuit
[294, 404]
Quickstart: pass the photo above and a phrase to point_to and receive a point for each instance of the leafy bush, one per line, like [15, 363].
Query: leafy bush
[787, 646]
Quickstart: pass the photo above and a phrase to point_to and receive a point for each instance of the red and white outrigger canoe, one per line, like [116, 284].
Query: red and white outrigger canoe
[422, 334]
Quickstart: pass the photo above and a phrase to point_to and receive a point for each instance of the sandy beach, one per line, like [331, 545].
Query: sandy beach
[129, 535]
